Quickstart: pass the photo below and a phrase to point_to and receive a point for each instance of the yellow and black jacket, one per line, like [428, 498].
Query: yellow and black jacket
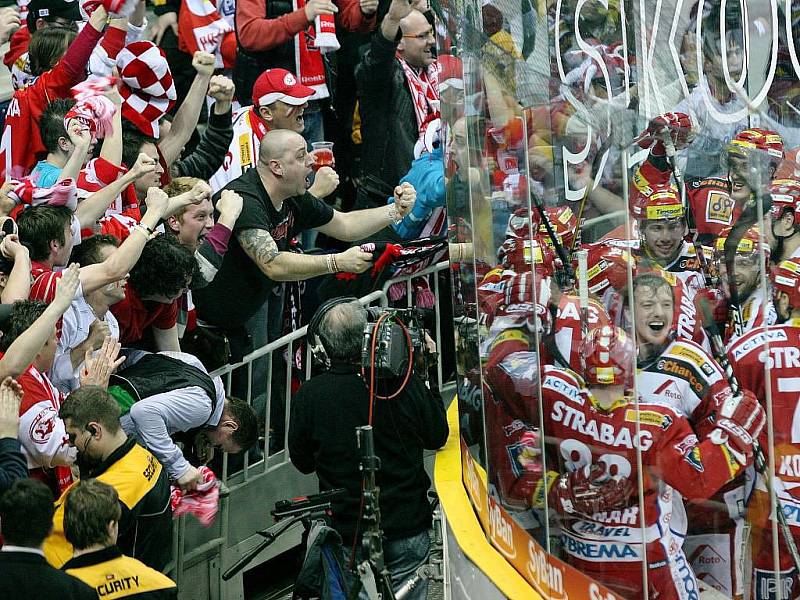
[113, 575]
[145, 527]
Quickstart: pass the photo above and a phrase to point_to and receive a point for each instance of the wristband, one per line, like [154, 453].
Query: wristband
[394, 214]
[143, 229]
[330, 261]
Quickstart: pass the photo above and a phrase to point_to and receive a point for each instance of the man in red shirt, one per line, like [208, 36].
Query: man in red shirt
[160, 277]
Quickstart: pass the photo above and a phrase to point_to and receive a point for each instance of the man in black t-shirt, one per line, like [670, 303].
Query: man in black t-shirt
[276, 208]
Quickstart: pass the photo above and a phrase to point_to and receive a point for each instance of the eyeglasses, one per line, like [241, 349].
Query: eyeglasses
[422, 36]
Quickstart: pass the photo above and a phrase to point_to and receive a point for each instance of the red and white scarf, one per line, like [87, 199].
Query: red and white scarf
[308, 52]
[424, 88]
[210, 32]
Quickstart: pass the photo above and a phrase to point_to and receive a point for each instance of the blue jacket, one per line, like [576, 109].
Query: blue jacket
[427, 177]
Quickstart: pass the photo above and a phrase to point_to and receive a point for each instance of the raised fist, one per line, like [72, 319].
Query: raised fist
[678, 126]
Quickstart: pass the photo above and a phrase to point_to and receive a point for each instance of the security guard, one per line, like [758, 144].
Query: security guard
[91, 525]
[91, 419]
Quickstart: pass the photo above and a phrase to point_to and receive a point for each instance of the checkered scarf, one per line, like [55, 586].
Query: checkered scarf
[147, 89]
[424, 88]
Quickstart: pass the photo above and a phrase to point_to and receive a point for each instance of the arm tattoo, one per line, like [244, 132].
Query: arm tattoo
[259, 245]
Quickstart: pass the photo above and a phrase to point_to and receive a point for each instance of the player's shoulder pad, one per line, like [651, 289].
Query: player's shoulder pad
[563, 382]
[695, 357]
[756, 339]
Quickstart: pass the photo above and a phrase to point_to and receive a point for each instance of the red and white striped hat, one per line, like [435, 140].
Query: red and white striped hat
[147, 88]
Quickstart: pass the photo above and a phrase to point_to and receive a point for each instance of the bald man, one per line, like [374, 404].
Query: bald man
[398, 96]
[276, 208]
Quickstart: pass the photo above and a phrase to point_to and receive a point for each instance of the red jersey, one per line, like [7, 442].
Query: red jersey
[778, 345]
[580, 433]
[136, 315]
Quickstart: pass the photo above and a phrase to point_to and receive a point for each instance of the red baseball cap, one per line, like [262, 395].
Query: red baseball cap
[279, 84]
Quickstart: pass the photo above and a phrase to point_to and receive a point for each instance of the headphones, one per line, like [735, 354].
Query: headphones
[317, 342]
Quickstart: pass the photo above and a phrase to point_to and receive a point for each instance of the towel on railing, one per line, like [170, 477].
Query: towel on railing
[202, 502]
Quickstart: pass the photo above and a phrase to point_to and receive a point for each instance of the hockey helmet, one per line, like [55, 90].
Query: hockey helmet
[785, 195]
[786, 279]
[608, 357]
[661, 203]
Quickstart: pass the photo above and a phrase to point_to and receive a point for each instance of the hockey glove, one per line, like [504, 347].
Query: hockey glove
[740, 422]
[677, 125]
[590, 491]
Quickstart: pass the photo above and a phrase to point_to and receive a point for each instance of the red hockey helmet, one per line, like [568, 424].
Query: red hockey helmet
[606, 266]
[608, 356]
[786, 279]
[749, 244]
[564, 224]
[518, 254]
[661, 203]
[521, 222]
[785, 195]
[755, 138]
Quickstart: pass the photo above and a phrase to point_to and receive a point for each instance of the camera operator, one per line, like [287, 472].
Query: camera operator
[325, 413]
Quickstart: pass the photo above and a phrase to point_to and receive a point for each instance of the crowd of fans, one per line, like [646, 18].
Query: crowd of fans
[152, 211]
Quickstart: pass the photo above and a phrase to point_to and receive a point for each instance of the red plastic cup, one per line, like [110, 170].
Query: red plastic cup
[323, 155]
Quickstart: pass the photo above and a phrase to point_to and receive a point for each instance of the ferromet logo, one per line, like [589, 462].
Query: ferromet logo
[545, 575]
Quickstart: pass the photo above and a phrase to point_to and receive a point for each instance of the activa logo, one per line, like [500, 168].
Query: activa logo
[500, 531]
[546, 576]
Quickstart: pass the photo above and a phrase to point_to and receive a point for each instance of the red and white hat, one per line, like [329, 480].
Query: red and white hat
[451, 72]
[147, 89]
[279, 84]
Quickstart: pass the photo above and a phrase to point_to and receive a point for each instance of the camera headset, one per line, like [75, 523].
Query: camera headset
[320, 347]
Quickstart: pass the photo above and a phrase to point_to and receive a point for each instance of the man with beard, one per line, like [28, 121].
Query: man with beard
[777, 345]
[715, 202]
[91, 420]
[752, 308]
[661, 222]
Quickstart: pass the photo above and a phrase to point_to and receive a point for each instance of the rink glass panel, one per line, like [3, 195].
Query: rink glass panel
[552, 99]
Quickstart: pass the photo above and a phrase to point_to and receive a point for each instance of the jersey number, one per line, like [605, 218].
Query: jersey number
[577, 455]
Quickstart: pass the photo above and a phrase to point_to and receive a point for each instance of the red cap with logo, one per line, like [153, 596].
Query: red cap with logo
[279, 84]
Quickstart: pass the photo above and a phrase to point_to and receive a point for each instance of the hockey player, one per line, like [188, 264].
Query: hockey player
[715, 202]
[783, 220]
[607, 275]
[778, 346]
[682, 375]
[595, 434]
[661, 222]
[752, 308]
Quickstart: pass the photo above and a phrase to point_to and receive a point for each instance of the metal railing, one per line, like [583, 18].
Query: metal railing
[200, 555]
